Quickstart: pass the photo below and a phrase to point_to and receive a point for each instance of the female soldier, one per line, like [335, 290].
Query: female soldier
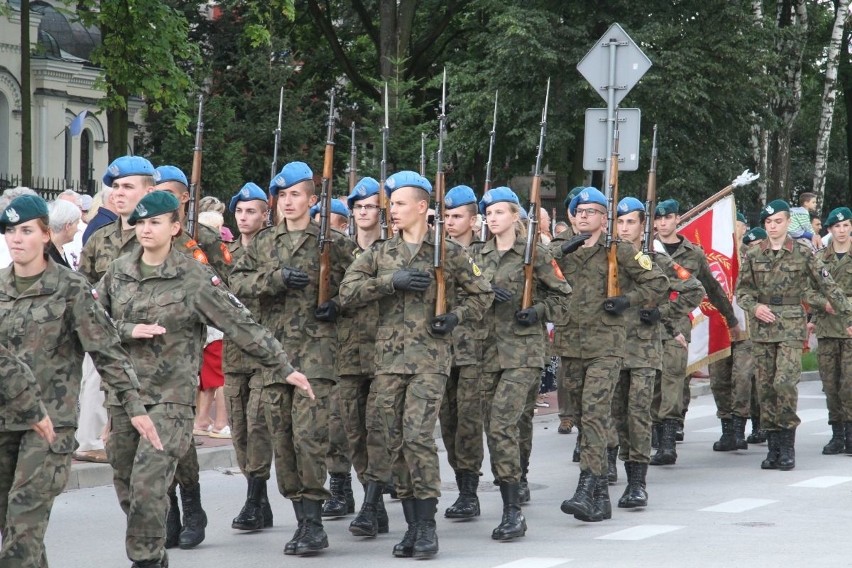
[49, 319]
[514, 354]
[161, 301]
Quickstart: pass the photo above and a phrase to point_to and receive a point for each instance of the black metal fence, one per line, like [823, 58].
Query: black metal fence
[49, 188]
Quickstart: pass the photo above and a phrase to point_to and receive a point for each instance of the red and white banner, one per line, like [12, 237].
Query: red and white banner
[714, 231]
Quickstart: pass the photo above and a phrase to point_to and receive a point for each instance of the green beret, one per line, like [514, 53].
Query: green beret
[777, 206]
[756, 234]
[22, 209]
[153, 204]
[572, 194]
[741, 218]
[667, 207]
[838, 215]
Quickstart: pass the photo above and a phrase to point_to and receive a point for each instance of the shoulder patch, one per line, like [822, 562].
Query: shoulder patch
[94, 294]
[199, 255]
[215, 280]
[644, 260]
[226, 254]
[556, 269]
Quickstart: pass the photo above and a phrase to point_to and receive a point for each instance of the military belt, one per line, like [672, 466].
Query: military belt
[779, 300]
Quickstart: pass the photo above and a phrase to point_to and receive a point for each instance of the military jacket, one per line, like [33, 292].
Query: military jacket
[182, 296]
[405, 343]
[356, 337]
[684, 295]
[20, 404]
[590, 331]
[510, 345]
[782, 280]
[234, 359]
[828, 325]
[468, 336]
[311, 344]
[50, 327]
[208, 248]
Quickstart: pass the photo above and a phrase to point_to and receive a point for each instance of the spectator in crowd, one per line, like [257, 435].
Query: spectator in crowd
[64, 221]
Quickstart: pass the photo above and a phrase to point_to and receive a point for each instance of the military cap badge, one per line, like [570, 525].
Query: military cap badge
[840, 217]
[114, 170]
[769, 209]
[644, 260]
[12, 215]
[141, 211]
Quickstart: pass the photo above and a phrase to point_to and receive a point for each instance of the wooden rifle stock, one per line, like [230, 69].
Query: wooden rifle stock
[651, 198]
[440, 243]
[325, 211]
[612, 287]
[535, 204]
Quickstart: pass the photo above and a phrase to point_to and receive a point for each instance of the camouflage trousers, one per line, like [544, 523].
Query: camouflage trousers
[142, 475]
[596, 379]
[249, 434]
[564, 397]
[299, 430]
[187, 471]
[461, 419]
[668, 386]
[364, 428]
[778, 368]
[730, 381]
[525, 427]
[337, 459]
[835, 369]
[32, 474]
[631, 413]
[409, 406]
[504, 397]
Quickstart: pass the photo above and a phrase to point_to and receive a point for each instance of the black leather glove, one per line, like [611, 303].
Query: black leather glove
[501, 294]
[444, 324]
[616, 305]
[294, 278]
[574, 243]
[409, 279]
[526, 317]
[326, 311]
[650, 316]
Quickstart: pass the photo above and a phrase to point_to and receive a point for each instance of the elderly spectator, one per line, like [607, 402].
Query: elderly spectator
[71, 250]
[102, 212]
[64, 220]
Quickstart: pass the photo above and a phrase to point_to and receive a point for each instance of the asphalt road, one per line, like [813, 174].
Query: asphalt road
[711, 509]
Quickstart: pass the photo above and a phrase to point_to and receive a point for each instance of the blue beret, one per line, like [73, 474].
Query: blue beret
[498, 195]
[407, 178]
[169, 173]
[22, 209]
[838, 215]
[667, 207]
[458, 196]
[629, 205]
[249, 192]
[572, 194]
[756, 234]
[587, 195]
[153, 204]
[365, 188]
[290, 175]
[127, 166]
[337, 207]
[777, 206]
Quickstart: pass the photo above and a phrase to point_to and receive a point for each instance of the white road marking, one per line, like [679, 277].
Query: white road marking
[535, 563]
[738, 505]
[823, 481]
[640, 532]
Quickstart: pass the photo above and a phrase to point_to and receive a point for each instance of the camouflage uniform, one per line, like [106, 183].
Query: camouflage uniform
[731, 381]
[412, 363]
[20, 395]
[299, 425]
[183, 296]
[50, 327]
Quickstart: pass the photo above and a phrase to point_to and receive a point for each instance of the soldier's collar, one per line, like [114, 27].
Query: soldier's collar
[313, 228]
[169, 269]
[47, 284]
[788, 245]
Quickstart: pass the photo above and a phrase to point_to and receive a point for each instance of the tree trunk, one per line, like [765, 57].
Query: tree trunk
[26, 98]
[117, 128]
[829, 97]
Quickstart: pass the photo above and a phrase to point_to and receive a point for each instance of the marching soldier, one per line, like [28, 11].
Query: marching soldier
[20, 397]
[413, 346]
[243, 381]
[776, 276]
[596, 337]
[280, 270]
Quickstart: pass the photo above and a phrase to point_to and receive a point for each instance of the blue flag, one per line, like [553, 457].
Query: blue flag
[76, 126]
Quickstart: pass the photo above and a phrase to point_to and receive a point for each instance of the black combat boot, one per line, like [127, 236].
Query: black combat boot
[575, 457]
[194, 518]
[523, 491]
[678, 431]
[173, 526]
[382, 515]
[514, 524]
[161, 563]
[313, 538]
[602, 506]
[727, 443]
[666, 453]
[426, 539]
[837, 444]
[265, 507]
[787, 450]
[656, 434]
[611, 465]
[299, 510]
[367, 521]
[847, 426]
[405, 547]
[251, 515]
[772, 457]
[635, 494]
[337, 506]
[582, 503]
[758, 435]
[739, 432]
[467, 505]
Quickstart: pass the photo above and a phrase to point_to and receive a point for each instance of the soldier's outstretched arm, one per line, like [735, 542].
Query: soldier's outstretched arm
[552, 290]
[690, 292]
[361, 284]
[255, 275]
[746, 286]
[20, 395]
[716, 294]
[825, 284]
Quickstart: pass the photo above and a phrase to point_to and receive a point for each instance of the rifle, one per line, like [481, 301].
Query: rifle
[492, 137]
[553, 222]
[535, 204]
[651, 197]
[383, 174]
[195, 178]
[612, 287]
[353, 170]
[744, 178]
[423, 154]
[440, 243]
[273, 200]
[325, 210]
